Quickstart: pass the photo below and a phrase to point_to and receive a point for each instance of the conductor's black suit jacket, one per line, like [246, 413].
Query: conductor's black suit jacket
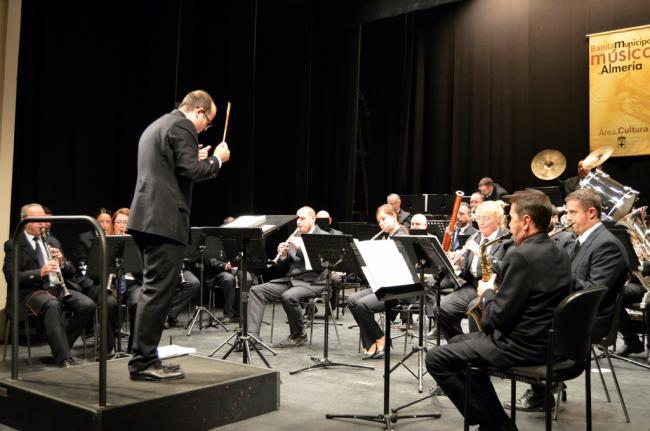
[535, 277]
[168, 165]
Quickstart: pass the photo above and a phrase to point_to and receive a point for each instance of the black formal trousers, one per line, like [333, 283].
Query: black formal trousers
[447, 365]
[162, 261]
[363, 305]
[94, 293]
[632, 293]
[289, 293]
[184, 294]
[453, 308]
[61, 334]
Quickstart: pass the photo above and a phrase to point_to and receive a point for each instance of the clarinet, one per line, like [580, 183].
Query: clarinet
[56, 277]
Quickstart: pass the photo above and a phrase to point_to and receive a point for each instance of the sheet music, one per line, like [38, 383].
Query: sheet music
[246, 221]
[385, 265]
[301, 244]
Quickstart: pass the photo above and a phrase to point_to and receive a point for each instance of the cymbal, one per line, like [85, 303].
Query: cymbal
[597, 157]
[548, 164]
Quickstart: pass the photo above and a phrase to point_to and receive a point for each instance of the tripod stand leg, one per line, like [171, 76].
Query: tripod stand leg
[234, 334]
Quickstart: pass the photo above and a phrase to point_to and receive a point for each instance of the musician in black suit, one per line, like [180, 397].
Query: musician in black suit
[85, 239]
[37, 296]
[571, 184]
[454, 307]
[464, 229]
[403, 216]
[299, 283]
[326, 215]
[597, 259]
[534, 279]
[169, 163]
[490, 190]
[364, 304]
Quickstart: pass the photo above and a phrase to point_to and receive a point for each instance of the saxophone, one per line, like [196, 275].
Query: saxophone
[476, 312]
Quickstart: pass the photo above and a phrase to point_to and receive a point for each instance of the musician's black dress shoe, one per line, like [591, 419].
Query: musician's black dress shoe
[629, 349]
[293, 341]
[157, 373]
[68, 363]
[530, 402]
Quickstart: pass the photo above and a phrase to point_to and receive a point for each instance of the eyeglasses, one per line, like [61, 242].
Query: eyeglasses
[209, 120]
[121, 222]
[484, 218]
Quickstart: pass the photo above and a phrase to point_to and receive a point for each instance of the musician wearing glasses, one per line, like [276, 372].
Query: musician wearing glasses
[169, 163]
[597, 259]
[454, 307]
[364, 304]
[298, 283]
[534, 279]
[37, 290]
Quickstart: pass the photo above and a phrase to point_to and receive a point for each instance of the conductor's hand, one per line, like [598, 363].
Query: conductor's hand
[203, 152]
[222, 152]
[485, 285]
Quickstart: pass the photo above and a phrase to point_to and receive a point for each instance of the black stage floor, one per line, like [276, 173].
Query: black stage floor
[214, 393]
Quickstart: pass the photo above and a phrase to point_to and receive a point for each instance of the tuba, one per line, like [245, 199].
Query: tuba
[635, 223]
[476, 312]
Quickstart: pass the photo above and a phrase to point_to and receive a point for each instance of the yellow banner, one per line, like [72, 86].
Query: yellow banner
[619, 91]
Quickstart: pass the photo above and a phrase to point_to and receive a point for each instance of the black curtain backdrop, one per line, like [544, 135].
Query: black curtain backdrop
[435, 98]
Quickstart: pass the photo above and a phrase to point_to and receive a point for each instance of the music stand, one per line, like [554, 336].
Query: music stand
[244, 237]
[122, 256]
[199, 243]
[553, 192]
[360, 231]
[326, 253]
[428, 256]
[391, 276]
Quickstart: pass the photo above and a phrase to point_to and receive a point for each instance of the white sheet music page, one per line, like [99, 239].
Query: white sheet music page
[301, 244]
[246, 221]
[385, 265]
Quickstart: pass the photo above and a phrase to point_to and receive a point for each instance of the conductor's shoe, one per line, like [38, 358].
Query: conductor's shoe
[157, 373]
[293, 341]
[629, 349]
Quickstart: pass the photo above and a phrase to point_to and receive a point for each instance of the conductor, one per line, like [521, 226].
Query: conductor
[170, 161]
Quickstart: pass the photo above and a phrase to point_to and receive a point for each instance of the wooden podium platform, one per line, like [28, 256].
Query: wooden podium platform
[213, 393]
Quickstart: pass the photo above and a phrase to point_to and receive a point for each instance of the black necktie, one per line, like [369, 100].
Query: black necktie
[575, 250]
[39, 253]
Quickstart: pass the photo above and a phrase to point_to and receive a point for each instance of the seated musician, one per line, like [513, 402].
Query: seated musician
[325, 214]
[490, 190]
[535, 278]
[598, 260]
[403, 216]
[454, 307]
[475, 200]
[563, 238]
[571, 184]
[298, 284]
[418, 223]
[464, 229]
[633, 292]
[224, 275]
[364, 304]
[36, 292]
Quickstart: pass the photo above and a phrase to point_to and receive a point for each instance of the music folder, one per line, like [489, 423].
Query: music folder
[388, 270]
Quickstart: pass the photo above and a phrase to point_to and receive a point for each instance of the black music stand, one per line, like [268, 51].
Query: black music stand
[244, 237]
[198, 248]
[358, 230]
[374, 268]
[122, 256]
[327, 253]
[428, 256]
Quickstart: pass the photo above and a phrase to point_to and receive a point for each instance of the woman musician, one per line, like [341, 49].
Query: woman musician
[364, 304]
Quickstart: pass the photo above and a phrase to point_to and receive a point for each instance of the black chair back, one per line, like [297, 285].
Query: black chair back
[572, 323]
[610, 339]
